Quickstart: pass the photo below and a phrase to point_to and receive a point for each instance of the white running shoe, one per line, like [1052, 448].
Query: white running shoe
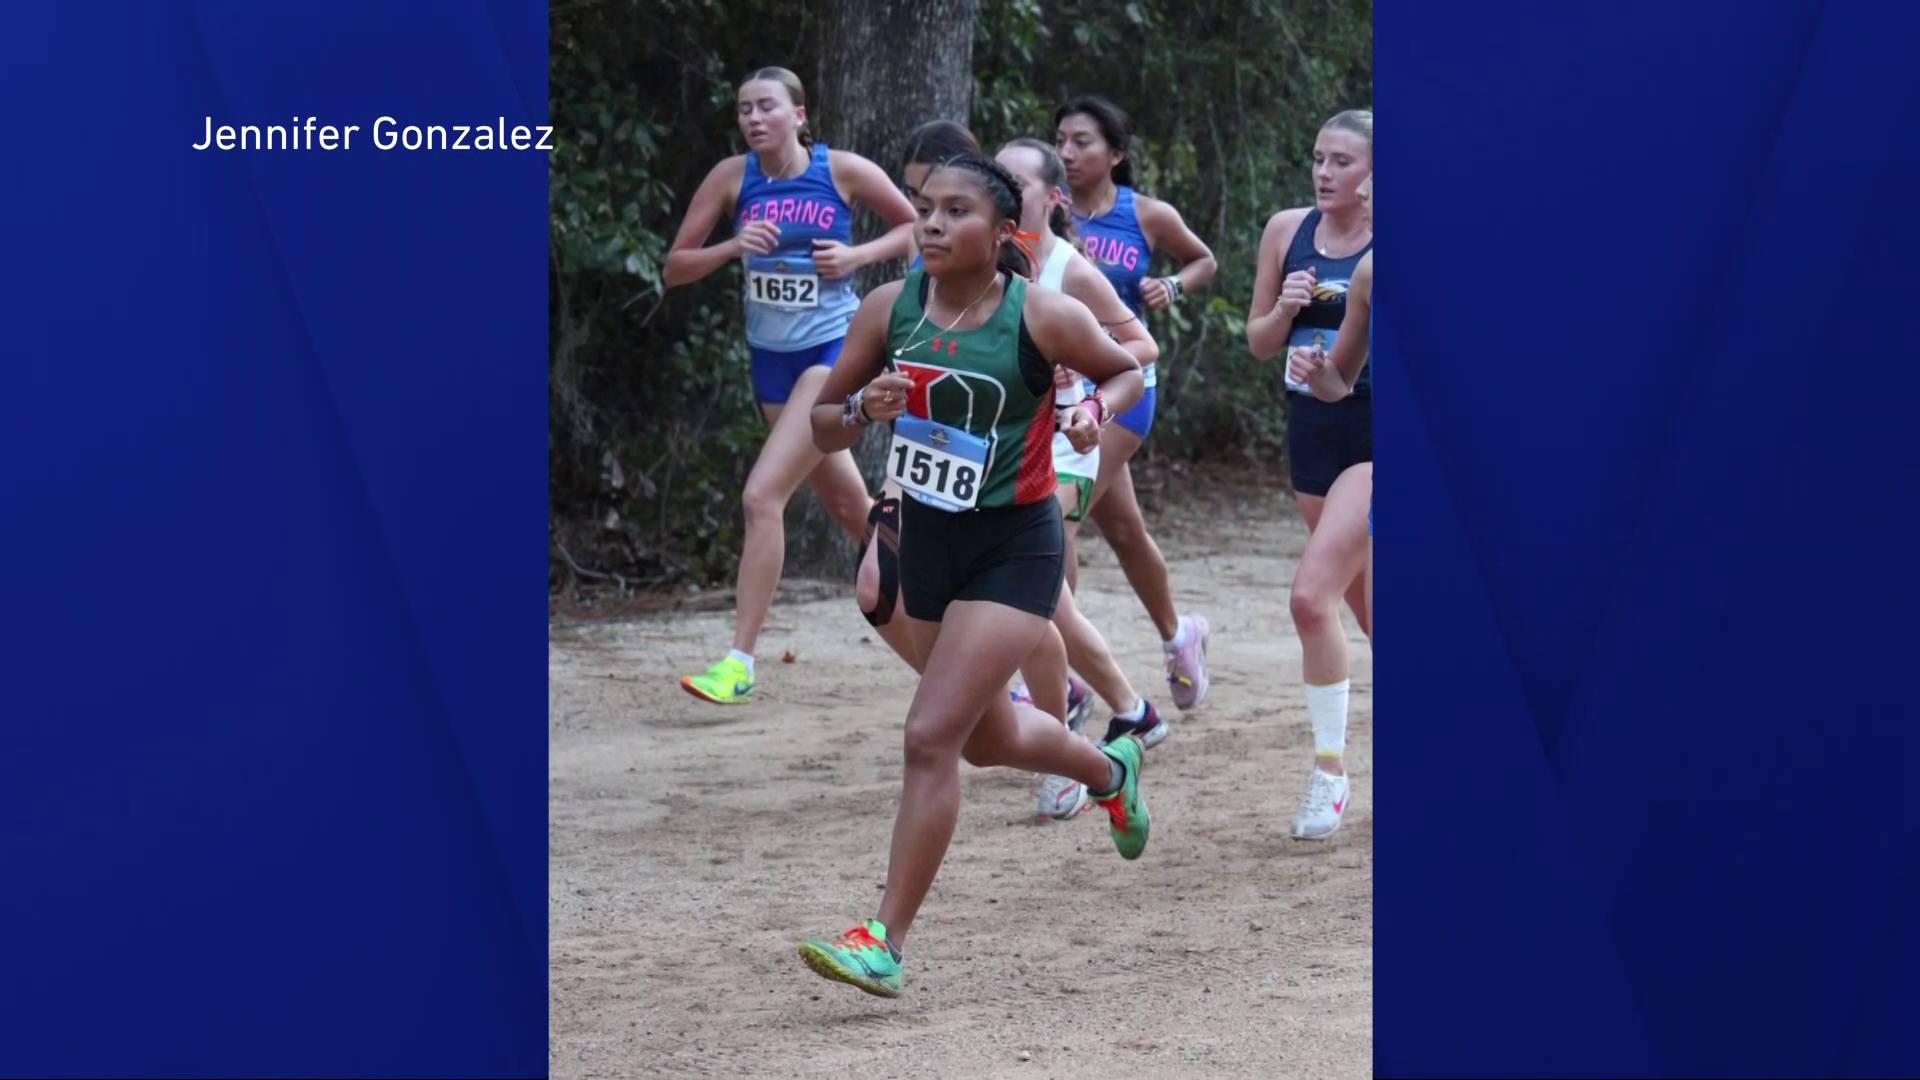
[1062, 798]
[1320, 811]
[1020, 694]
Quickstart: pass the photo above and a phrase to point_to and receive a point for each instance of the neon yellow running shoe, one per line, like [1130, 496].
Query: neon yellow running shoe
[860, 958]
[725, 683]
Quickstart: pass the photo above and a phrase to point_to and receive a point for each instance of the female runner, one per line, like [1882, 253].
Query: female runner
[1333, 562]
[959, 358]
[1042, 178]
[1123, 230]
[1301, 295]
[791, 203]
[877, 583]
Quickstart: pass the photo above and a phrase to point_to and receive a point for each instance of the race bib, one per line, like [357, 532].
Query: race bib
[938, 465]
[1306, 339]
[787, 283]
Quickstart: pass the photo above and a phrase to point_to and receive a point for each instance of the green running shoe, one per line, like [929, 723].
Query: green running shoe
[1125, 807]
[859, 958]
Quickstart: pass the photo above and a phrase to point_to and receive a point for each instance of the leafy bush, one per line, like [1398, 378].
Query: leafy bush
[654, 427]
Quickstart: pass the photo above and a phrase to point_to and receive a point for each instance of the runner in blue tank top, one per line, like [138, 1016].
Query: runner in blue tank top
[1307, 257]
[791, 205]
[1336, 561]
[1301, 294]
[1122, 231]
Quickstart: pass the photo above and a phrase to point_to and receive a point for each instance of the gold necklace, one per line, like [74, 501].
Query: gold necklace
[1323, 248]
[786, 158]
[932, 288]
[1106, 209]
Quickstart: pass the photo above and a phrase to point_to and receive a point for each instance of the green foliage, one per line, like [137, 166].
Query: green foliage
[654, 428]
[1226, 98]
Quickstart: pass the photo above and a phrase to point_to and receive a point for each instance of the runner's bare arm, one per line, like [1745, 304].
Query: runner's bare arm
[691, 258]
[861, 363]
[1351, 349]
[1068, 335]
[1168, 233]
[1091, 287]
[866, 184]
[1267, 322]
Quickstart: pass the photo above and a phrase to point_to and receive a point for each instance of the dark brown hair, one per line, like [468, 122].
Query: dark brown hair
[937, 140]
[1114, 127]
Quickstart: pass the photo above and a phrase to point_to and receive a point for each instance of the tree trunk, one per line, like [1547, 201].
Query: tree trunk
[886, 67]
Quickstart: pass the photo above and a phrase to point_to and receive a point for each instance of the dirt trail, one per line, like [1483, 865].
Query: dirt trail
[693, 846]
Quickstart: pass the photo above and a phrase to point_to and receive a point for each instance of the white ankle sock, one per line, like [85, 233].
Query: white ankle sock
[1327, 710]
[1179, 638]
[736, 654]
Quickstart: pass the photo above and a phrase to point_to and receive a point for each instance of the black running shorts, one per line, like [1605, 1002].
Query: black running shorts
[1016, 556]
[1326, 439]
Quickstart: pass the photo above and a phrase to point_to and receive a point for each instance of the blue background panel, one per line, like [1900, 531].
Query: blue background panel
[272, 767]
[1645, 491]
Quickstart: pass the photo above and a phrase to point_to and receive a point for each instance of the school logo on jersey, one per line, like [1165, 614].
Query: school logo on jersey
[1330, 292]
[946, 396]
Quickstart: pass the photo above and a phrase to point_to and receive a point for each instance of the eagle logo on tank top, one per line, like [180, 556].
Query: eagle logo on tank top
[1330, 292]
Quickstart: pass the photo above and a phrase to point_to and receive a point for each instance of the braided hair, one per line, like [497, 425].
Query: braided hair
[1004, 190]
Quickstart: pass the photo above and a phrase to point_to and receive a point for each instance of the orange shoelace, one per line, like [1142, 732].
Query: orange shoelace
[860, 938]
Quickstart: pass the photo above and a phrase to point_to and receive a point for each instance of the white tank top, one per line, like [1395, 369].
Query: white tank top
[1054, 273]
[1066, 460]
[1052, 276]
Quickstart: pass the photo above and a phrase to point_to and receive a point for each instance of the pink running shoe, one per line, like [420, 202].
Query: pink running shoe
[1187, 665]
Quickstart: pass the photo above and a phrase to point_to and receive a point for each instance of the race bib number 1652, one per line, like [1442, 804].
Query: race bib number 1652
[784, 290]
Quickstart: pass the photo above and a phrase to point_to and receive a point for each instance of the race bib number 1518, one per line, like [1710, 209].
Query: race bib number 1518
[939, 465]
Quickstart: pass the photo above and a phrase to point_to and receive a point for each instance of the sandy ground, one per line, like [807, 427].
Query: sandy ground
[694, 846]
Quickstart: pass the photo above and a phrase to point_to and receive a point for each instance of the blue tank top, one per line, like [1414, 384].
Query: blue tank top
[1320, 321]
[1116, 244]
[789, 305]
